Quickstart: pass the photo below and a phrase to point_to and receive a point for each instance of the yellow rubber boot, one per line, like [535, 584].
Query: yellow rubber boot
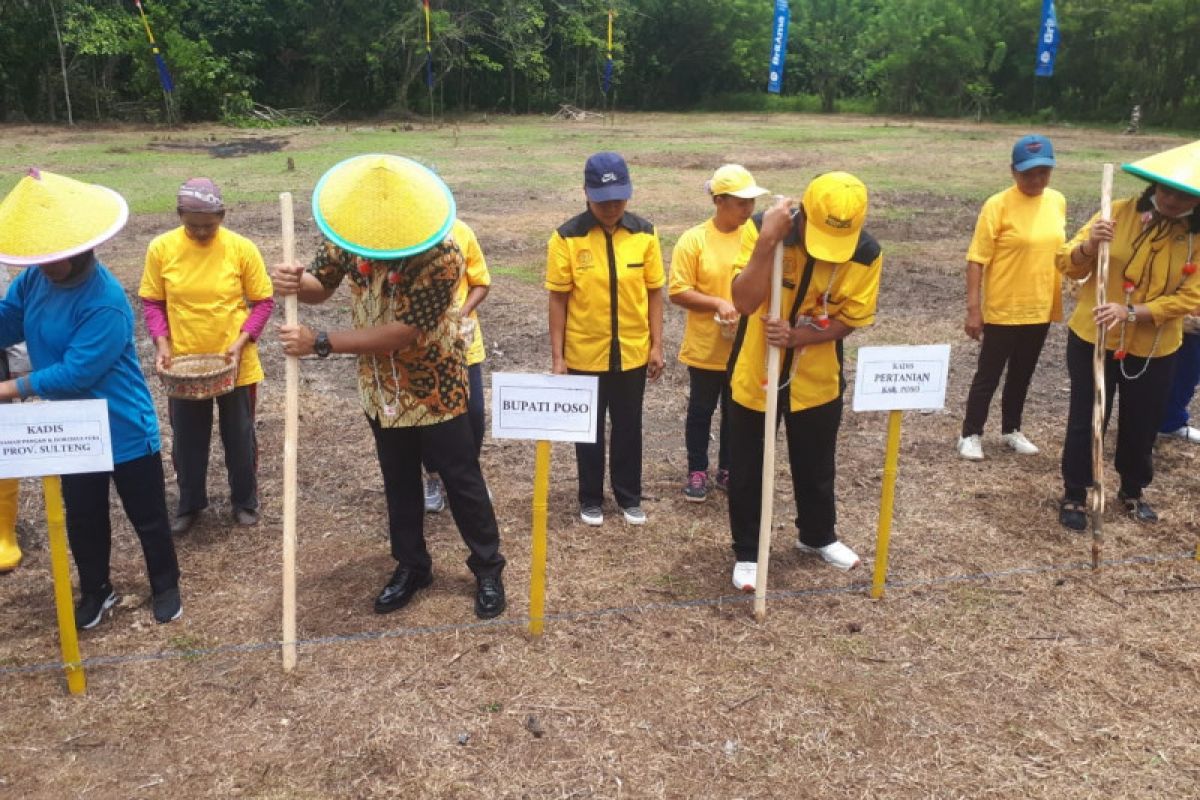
[10, 551]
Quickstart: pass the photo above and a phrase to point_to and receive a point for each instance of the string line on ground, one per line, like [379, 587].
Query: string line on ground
[577, 616]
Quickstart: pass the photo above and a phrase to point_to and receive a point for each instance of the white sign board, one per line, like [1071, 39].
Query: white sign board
[62, 437]
[556, 408]
[898, 378]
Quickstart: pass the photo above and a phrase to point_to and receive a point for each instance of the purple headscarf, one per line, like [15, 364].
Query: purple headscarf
[200, 195]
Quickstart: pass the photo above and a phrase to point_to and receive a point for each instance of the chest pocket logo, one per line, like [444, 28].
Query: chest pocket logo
[586, 261]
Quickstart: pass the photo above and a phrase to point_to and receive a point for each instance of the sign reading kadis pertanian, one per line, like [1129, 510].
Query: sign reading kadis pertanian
[901, 378]
[556, 408]
[61, 437]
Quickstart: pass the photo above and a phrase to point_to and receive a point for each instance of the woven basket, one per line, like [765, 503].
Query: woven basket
[199, 377]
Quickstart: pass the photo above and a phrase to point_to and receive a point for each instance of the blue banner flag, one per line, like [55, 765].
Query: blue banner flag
[1047, 40]
[779, 32]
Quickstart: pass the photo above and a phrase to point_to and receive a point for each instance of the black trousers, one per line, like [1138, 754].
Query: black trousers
[140, 486]
[1139, 414]
[1017, 347]
[812, 447]
[475, 408]
[451, 451]
[191, 422]
[620, 395]
[708, 388]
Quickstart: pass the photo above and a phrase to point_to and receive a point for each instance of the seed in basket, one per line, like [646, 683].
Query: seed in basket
[199, 376]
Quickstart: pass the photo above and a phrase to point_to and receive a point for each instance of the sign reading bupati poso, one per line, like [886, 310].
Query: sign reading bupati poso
[557, 408]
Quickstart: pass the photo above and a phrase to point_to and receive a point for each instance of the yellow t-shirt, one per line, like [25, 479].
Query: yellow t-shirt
[206, 289]
[608, 278]
[1016, 239]
[1156, 270]
[475, 274]
[853, 288]
[703, 260]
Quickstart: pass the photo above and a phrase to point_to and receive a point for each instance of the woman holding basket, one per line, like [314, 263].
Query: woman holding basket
[205, 290]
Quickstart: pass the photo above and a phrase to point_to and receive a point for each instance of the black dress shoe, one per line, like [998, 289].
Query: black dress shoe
[1072, 514]
[1137, 508]
[403, 586]
[489, 598]
[182, 523]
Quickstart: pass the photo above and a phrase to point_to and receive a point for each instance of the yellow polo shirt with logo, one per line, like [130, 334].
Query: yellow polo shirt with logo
[853, 288]
[1156, 270]
[475, 274]
[1016, 239]
[608, 278]
[206, 289]
[703, 261]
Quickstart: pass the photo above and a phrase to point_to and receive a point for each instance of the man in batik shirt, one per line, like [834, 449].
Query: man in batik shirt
[402, 269]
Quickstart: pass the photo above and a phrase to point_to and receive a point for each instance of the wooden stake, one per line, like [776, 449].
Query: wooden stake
[537, 555]
[291, 432]
[60, 568]
[1098, 353]
[766, 518]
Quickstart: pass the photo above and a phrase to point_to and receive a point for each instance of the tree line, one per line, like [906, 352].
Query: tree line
[91, 60]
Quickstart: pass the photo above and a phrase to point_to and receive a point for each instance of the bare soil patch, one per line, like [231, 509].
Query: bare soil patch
[228, 148]
[998, 666]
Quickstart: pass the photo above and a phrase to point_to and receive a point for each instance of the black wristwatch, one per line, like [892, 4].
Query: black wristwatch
[1131, 317]
[321, 345]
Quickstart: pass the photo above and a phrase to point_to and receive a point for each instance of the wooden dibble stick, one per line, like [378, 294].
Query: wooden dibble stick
[291, 433]
[1098, 352]
[766, 518]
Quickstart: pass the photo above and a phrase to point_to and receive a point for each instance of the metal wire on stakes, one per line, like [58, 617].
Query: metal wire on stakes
[1098, 396]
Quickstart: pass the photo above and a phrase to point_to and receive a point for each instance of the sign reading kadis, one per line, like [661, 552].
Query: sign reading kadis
[899, 378]
[62, 437]
[556, 408]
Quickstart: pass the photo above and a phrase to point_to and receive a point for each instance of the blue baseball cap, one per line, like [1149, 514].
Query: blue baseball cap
[1032, 151]
[605, 177]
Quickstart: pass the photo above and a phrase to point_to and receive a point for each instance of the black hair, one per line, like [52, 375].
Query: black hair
[1144, 204]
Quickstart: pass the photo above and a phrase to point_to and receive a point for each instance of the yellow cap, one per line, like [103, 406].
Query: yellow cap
[1178, 168]
[383, 206]
[48, 218]
[835, 207]
[735, 180]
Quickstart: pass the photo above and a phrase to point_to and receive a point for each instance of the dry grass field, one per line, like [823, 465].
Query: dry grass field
[997, 665]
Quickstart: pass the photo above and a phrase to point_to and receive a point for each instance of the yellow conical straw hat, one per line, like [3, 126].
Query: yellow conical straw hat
[1178, 168]
[48, 217]
[383, 206]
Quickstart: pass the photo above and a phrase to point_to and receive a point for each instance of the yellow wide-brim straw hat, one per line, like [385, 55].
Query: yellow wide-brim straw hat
[1178, 168]
[49, 217]
[383, 206]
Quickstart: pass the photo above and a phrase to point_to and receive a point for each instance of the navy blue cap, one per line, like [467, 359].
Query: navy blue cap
[605, 177]
[1032, 151]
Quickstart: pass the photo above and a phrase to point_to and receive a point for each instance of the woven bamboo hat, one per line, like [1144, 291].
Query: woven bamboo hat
[383, 206]
[48, 217]
[1178, 168]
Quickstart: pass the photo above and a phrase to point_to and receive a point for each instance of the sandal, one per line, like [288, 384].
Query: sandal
[1137, 508]
[1072, 514]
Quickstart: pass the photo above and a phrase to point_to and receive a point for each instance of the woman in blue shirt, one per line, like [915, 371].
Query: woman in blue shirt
[78, 325]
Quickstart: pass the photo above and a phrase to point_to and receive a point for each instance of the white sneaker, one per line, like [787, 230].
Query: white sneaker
[1017, 441]
[970, 448]
[591, 515]
[836, 554]
[744, 574]
[634, 515]
[1187, 433]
